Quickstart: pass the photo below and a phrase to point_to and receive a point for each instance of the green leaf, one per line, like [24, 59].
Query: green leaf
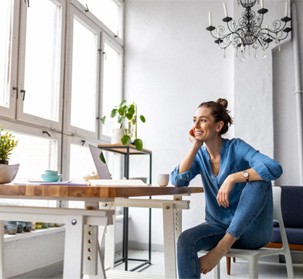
[126, 140]
[122, 103]
[142, 118]
[138, 143]
[102, 158]
[113, 113]
[103, 119]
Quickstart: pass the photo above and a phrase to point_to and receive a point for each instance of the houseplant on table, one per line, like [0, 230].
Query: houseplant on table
[7, 145]
[127, 119]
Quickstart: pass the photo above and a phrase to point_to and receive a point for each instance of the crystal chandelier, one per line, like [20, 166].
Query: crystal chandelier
[248, 32]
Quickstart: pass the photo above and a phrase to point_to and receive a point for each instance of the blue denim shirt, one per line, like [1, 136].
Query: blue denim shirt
[236, 155]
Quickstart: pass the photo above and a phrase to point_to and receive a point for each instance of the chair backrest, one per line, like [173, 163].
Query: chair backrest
[292, 206]
[277, 214]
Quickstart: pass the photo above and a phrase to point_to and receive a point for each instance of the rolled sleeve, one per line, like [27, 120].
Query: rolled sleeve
[269, 171]
[182, 179]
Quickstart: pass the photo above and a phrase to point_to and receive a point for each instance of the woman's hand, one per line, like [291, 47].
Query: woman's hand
[193, 139]
[224, 191]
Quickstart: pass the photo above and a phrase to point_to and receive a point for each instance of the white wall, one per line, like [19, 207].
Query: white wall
[171, 66]
[285, 118]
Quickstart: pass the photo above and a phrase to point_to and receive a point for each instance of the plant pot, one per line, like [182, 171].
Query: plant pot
[8, 173]
[4, 162]
[117, 135]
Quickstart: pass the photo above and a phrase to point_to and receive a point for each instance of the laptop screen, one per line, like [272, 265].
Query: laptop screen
[100, 163]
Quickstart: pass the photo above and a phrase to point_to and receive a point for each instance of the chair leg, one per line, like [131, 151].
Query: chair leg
[228, 265]
[217, 271]
[289, 267]
[253, 268]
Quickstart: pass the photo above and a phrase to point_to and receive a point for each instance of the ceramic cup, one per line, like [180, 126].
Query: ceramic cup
[51, 176]
[163, 179]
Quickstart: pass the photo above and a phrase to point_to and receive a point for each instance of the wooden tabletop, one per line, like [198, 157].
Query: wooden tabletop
[71, 191]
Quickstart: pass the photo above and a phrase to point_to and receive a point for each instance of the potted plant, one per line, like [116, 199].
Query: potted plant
[7, 145]
[128, 122]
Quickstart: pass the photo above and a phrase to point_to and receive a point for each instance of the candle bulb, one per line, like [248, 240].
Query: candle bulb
[286, 8]
[209, 18]
[225, 10]
[261, 4]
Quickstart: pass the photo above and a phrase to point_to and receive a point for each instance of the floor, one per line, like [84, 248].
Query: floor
[239, 269]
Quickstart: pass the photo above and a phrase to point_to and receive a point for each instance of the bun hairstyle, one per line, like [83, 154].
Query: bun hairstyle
[219, 112]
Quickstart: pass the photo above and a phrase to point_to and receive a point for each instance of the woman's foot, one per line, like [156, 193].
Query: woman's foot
[213, 257]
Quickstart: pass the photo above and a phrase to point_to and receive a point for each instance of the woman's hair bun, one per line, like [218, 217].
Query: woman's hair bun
[222, 102]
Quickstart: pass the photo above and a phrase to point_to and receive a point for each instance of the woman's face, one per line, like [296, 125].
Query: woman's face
[205, 128]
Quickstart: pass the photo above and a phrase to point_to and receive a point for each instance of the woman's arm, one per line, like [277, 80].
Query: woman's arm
[185, 171]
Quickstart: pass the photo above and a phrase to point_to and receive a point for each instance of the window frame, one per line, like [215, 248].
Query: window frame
[11, 110]
[71, 130]
[112, 43]
[20, 115]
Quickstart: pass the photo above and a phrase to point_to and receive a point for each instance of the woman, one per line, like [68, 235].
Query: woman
[237, 188]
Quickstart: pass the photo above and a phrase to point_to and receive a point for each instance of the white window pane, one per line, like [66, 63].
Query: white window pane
[81, 163]
[84, 77]
[6, 18]
[108, 11]
[112, 94]
[42, 59]
[35, 155]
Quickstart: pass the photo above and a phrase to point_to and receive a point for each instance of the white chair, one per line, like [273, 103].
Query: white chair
[252, 256]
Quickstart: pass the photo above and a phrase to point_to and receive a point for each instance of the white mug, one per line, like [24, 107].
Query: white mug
[163, 179]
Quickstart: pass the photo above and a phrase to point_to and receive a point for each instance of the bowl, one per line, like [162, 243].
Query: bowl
[8, 173]
[51, 178]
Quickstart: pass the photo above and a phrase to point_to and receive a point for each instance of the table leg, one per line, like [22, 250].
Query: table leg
[109, 253]
[73, 247]
[169, 230]
[90, 249]
[1, 249]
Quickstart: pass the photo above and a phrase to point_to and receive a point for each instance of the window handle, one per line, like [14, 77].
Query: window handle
[23, 92]
[46, 132]
[15, 89]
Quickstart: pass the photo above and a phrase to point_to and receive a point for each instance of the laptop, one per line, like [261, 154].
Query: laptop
[100, 163]
[104, 174]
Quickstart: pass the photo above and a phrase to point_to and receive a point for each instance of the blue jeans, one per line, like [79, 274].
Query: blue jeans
[251, 224]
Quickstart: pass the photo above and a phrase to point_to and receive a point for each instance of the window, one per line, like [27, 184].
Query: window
[108, 11]
[84, 89]
[6, 56]
[112, 76]
[41, 75]
[61, 68]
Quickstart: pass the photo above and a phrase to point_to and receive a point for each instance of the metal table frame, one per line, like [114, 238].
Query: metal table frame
[127, 151]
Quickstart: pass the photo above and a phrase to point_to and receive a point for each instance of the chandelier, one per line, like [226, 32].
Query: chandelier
[248, 32]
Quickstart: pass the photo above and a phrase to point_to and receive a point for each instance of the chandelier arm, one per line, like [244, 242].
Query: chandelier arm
[229, 26]
[281, 39]
[211, 32]
[263, 44]
[226, 45]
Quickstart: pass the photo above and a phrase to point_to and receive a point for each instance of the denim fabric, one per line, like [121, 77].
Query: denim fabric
[249, 215]
[252, 225]
[236, 155]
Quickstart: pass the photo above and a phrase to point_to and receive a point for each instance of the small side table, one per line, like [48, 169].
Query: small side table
[127, 151]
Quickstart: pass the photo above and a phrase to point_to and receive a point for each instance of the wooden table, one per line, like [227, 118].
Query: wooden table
[81, 224]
